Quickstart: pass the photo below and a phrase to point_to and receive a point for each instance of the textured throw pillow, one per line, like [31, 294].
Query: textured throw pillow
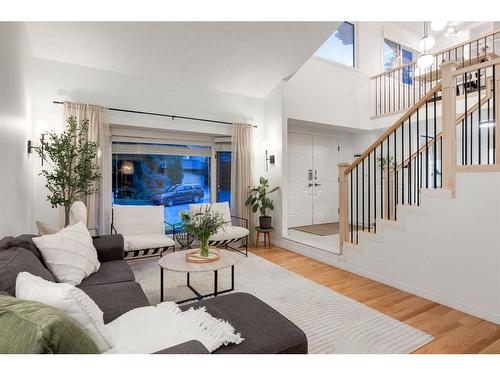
[44, 229]
[69, 300]
[15, 260]
[69, 254]
[33, 328]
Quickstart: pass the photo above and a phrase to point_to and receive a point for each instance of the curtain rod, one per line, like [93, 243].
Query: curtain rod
[173, 117]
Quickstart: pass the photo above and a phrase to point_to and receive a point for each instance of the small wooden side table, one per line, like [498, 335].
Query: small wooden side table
[267, 236]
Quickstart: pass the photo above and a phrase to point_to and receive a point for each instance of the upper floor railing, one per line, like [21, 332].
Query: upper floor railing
[397, 89]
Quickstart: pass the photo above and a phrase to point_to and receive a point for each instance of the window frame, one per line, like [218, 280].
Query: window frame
[355, 51]
[402, 46]
[152, 142]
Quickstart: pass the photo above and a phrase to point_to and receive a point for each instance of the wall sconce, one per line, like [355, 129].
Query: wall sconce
[269, 160]
[127, 167]
[31, 147]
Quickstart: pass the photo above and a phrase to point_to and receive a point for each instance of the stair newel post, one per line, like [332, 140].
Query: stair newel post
[449, 146]
[390, 190]
[343, 206]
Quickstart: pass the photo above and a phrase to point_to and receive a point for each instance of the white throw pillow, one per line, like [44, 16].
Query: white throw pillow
[69, 254]
[71, 301]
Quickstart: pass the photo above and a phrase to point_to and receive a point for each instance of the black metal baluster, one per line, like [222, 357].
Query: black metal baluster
[381, 180]
[435, 142]
[463, 142]
[402, 163]
[479, 114]
[426, 145]
[395, 176]
[375, 189]
[471, 143]
[465, 119]
[409, 161]
[418, 156]
[441, 161]
[363, 194]
[369, 193]
[488, 132]
[494, 115]
[388, 188]
[352, 212]
[357, 202]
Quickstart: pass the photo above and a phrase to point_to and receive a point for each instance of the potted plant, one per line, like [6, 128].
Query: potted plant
[386, 161]
[258, 200]
[73, 159]
[202, 225]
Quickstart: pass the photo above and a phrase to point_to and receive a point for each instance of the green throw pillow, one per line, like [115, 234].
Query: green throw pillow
[32, 327]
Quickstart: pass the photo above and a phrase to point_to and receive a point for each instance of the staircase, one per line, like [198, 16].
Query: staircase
[420, 208]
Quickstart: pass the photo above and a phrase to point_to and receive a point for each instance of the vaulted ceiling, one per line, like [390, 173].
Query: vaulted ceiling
[245, 58]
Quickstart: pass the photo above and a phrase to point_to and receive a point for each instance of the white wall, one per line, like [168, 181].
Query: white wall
[456, 262]
[15, 130]
[274, 140]
[60, 81]
[329, 93]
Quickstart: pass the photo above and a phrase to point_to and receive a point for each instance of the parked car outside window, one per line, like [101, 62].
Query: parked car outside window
[181, 193]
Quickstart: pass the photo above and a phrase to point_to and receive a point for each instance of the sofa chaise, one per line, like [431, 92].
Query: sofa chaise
[115, 291]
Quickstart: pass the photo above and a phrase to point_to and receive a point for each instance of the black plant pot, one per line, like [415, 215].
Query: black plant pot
[265, 222]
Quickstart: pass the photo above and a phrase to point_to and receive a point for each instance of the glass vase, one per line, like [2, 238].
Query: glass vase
[204, 247]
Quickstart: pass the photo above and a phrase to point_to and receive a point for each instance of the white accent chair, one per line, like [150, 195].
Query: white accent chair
[143, 230]
[229, 234]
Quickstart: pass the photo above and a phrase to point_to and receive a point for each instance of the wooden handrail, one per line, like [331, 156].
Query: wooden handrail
[483, 36]
[440, 134]
[396, 125]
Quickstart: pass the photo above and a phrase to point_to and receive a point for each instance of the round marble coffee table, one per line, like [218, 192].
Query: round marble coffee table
[176, 262]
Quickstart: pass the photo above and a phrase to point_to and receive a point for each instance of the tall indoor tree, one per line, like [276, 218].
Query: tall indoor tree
[73, 159]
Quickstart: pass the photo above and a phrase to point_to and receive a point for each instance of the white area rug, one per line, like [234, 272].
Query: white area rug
[332, 322]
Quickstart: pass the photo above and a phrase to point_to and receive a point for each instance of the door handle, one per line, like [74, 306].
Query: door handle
[316, 184]
[309, 184]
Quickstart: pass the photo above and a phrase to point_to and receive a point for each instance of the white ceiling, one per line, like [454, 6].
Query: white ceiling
[415, 31]
[245, 58]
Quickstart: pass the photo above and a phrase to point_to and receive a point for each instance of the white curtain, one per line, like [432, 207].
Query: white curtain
[241, 171]
[97, 204]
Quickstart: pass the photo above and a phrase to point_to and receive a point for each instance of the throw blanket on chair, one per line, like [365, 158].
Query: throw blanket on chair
[151, 329]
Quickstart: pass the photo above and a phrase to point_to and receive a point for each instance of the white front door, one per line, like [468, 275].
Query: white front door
[300, 179]
[325, 189]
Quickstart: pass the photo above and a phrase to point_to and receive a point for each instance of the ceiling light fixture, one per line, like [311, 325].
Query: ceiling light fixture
[438, 25]
[425, 60]
[426, 43]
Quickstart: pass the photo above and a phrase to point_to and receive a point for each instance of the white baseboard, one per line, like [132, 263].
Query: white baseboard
[487, 315]
[308, 251]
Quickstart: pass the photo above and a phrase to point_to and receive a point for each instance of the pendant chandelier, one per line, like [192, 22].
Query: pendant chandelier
[426, 43]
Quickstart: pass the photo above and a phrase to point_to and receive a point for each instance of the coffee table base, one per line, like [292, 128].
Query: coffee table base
[199, 296]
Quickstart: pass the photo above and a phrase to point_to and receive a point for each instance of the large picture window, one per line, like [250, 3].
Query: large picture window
[169, 175]
[340, 46]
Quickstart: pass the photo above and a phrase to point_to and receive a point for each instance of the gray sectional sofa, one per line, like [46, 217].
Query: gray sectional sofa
[115, 291]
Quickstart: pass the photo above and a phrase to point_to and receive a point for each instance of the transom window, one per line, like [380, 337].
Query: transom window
[340, 46]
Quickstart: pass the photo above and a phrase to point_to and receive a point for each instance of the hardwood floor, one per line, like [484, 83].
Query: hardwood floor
[455, 331]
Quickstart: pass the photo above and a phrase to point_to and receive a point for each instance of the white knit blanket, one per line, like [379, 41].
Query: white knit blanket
[150, 329]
